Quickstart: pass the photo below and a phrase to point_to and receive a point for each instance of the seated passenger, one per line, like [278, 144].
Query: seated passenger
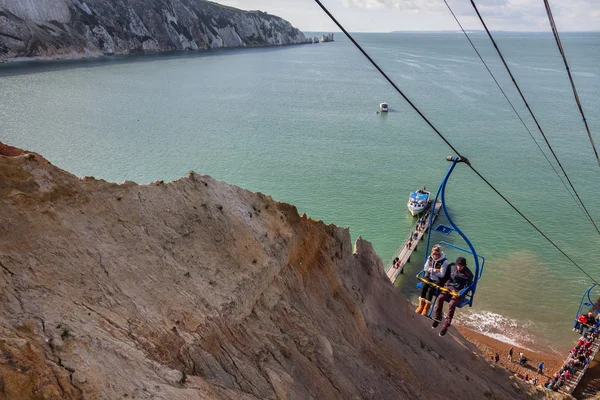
[436, 270]
[580, 323]
[461, 277]
[591, 319]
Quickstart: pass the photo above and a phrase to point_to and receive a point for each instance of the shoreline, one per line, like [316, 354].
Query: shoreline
[91, 55]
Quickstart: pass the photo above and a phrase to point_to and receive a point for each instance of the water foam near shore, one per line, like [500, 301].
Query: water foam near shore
[509, 330]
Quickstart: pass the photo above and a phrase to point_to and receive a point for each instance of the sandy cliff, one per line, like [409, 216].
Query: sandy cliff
[196, 289]
[74, 28]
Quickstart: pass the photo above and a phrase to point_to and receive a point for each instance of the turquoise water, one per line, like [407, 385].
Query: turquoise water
[300, 123]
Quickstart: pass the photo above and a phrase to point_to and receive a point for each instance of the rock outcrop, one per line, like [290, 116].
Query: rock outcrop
[77, 28]
[196, 289]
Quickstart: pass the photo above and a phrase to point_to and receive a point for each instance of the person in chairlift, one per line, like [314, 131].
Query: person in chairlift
[461, 277]
[435, 269]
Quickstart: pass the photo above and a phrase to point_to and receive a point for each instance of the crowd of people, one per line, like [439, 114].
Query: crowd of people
[580, 355]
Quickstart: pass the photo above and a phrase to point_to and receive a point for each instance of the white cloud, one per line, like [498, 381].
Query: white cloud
[390, 15]
[406, 5]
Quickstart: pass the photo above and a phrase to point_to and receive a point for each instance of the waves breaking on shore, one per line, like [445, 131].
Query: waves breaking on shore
[507, 330]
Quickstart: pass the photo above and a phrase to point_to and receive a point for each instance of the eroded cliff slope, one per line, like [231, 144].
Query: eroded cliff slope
[196, 289]
[70, 28]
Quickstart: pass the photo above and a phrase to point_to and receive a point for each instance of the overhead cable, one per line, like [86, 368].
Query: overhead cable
[533, 116]
[562, 53]
[446, 140]
[513, 108]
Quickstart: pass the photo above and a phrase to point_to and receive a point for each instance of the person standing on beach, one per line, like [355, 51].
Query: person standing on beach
[540, 368]
[522, 360]
[510, 353]
[496, 358]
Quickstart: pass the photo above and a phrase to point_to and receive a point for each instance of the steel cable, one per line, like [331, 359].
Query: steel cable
[445, 140]
[532, 115]
[562, 53]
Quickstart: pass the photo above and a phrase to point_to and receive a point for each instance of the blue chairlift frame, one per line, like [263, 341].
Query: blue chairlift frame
[588, 305]
[469, 292]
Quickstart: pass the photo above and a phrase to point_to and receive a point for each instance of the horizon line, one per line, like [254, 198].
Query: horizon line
[449, 30]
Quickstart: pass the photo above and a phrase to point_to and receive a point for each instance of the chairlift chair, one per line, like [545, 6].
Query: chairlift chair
[587, 304]
[478, 261]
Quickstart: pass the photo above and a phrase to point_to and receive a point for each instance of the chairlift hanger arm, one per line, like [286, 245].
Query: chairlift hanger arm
[455, 160]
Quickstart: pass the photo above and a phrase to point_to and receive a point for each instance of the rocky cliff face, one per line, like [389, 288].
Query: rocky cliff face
[72, 28]
[196, 289]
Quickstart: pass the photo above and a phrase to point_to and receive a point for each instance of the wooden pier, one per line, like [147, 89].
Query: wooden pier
[570, 385]
[406, 250]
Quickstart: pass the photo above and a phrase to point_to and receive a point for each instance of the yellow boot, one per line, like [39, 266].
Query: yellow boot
[426, 308]
[421, 305]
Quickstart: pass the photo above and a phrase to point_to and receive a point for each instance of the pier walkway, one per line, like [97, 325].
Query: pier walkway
[406, 250]
[572, 383]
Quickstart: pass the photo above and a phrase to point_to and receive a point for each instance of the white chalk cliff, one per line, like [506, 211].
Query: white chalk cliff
[73, 28]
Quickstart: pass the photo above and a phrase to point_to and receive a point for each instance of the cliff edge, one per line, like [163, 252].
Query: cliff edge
[196, 289]
[74, 28]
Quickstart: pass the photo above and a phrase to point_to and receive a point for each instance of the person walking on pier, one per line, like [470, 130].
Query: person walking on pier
[461, 277]
[436, 271]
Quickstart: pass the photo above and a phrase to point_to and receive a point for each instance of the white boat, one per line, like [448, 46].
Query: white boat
[383, 107]
[418, 201]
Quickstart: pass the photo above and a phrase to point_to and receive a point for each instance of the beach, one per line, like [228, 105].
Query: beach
[588, 388]
[489, 347]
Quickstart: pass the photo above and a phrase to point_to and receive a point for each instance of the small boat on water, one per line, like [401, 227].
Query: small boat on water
[383, 107]
[419, 201]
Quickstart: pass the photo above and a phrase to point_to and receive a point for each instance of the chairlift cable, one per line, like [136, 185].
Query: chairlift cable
[513, 108]
[562, 53]
[446, 140]
[531, 113]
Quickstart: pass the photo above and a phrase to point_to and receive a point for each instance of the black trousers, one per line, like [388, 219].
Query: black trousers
[427, 291]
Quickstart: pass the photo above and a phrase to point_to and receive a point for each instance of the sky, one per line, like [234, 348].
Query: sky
[429, 15]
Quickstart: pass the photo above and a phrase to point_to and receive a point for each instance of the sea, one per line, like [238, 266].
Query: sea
[300, 123]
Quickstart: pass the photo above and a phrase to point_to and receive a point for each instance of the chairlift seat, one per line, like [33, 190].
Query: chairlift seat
[464, 302]
[443, 229]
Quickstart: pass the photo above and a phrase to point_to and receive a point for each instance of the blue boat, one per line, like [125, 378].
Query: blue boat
[419, 201]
